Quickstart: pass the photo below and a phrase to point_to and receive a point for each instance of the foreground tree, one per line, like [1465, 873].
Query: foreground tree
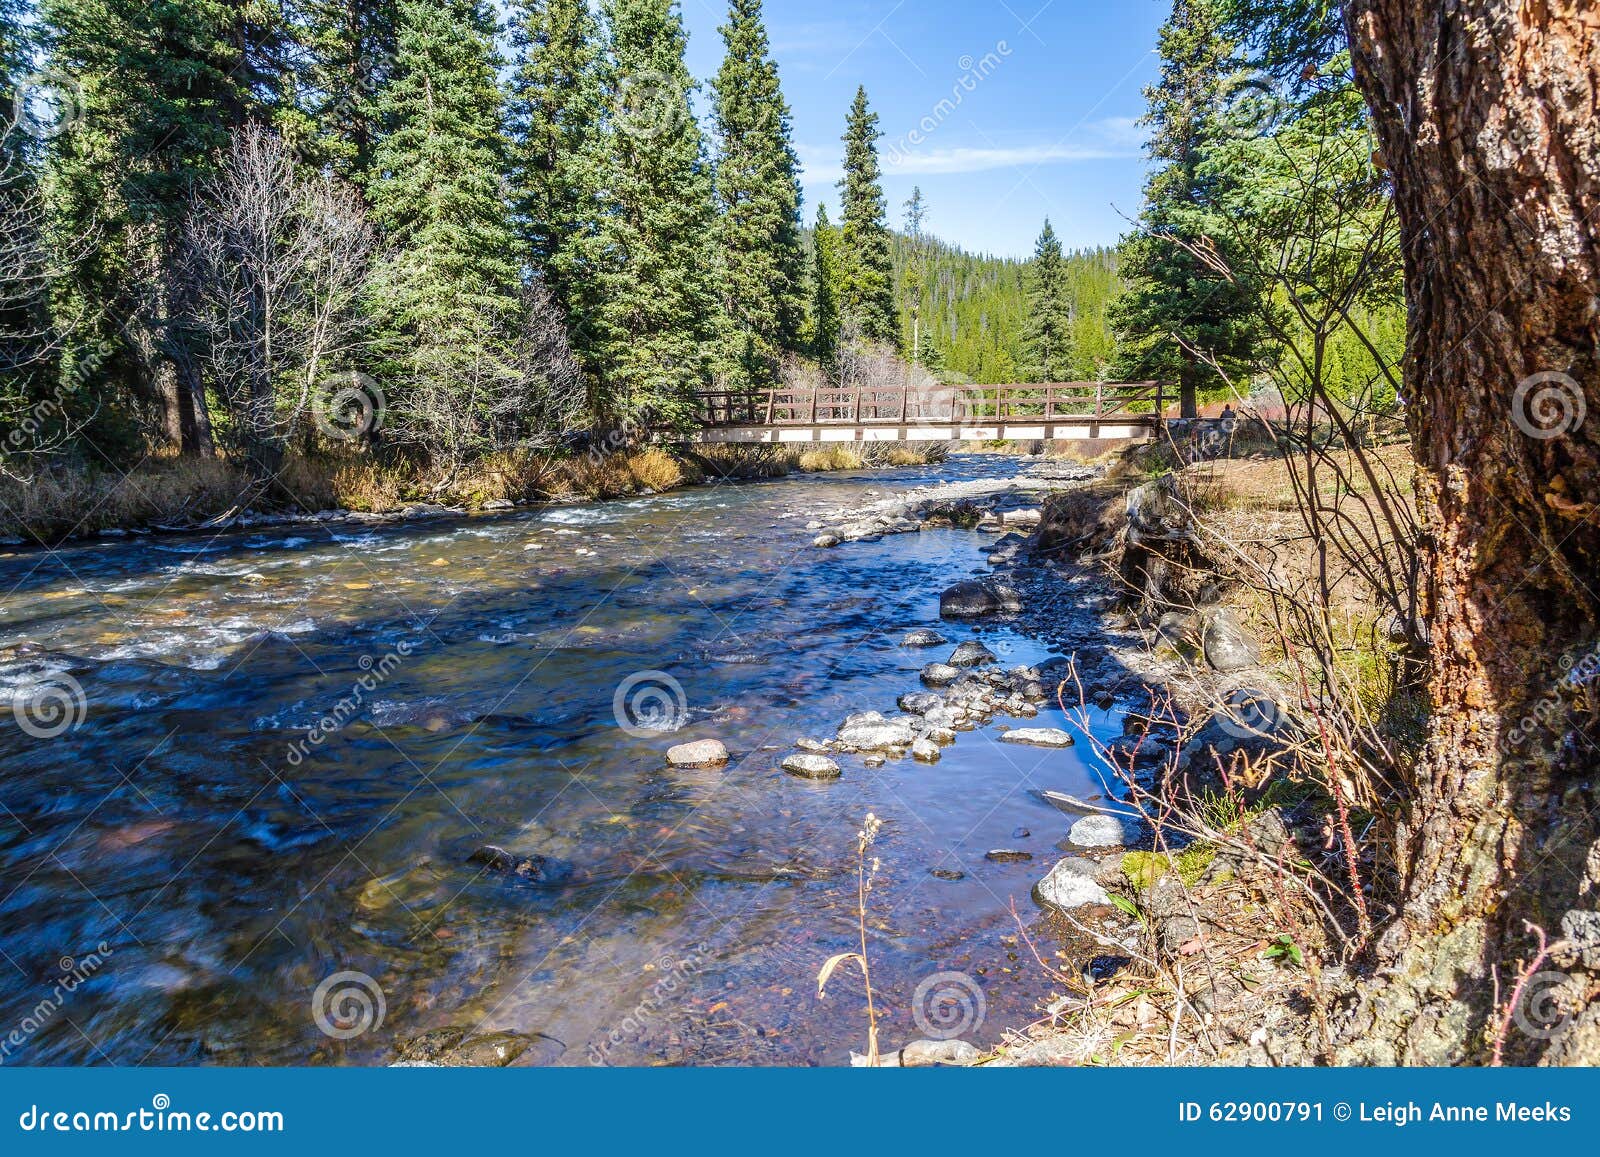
[1180, 312]
[445, 298]
[866, 300]
[1486, 113]
[274, 265]
[1047, 340]
[556, 109]
[657, 319]
[758, 198]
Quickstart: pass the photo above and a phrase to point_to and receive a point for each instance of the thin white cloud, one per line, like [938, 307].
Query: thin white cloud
[924, 159]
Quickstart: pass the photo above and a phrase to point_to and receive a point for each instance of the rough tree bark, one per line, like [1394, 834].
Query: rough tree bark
[1486, 116]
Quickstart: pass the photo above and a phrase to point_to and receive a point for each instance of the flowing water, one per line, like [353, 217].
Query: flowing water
[280, 749]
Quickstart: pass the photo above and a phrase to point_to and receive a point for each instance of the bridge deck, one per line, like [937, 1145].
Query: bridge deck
[1048, 411]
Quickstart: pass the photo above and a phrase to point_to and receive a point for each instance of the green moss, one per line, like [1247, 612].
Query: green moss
[1143, 869]
[1193, 861]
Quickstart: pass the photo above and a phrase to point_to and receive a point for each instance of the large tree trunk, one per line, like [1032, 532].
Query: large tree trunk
[1487, 121]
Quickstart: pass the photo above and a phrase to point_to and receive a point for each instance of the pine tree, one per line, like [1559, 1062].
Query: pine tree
[556, 108]
[160, 86]
[867, 301]
[758, 194]
[824, 343]
[1047, 340]
[912, 275]
[446, 296]
[348, 48]
[1177, 304]
[657, 318]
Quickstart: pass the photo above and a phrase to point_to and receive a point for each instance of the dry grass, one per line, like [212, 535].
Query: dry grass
[837, 457]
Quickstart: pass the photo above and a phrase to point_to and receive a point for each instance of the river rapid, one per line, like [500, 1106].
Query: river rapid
[279, 750]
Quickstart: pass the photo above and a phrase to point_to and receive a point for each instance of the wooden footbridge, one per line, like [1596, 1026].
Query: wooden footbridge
[932, 413]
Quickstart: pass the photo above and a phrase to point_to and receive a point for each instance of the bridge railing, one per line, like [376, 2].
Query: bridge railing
[900, 405]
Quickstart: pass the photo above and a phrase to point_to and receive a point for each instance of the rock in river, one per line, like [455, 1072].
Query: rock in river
[919, 702]
[940, 674]
[970, 599]
[924, 638]
[700, 753]
[971, 654]
[809, 766]
[925, 750]
[869, 731]
[1070, 884]
[1037, 737]
[528, 866]
[1098, 831]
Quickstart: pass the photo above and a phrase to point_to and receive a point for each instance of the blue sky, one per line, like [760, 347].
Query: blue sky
[1039, 103]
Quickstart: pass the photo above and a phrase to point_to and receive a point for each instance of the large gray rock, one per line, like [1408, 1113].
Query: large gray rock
[700, 753]
[971, 654]
[1037, 737]
[923, 638]
[870, 731]
[920, 702]
[940, 674]
[1070, 884]
[1098, 831]
[925, 751]
[809, 765]
[972, 599]
[1228, 646]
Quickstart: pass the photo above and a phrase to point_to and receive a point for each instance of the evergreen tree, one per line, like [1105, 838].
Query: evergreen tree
[1179, 304]
[758, 194]
[867, 299]
[824, 341]
[160, 86]
[446, 295]
[347, 47]
[1047, 340]
[556, 109]
[656, 320]
[913, 274]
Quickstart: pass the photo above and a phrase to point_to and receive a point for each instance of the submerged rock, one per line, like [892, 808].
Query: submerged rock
[947, 874]
[810, 766]
[1007, 855]
[1037, 737]
[529, 866]
[699, 753]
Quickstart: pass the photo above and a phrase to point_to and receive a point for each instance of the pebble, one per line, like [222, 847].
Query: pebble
[924, 638]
